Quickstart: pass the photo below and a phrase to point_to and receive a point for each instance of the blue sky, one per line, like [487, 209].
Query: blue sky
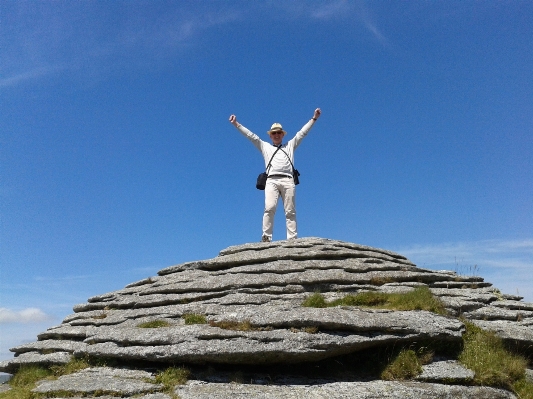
[117, 158]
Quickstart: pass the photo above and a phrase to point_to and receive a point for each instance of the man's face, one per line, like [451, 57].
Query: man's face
[276, 137]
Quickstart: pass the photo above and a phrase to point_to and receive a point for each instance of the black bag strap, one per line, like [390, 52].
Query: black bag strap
[270, 162]
[288, 158]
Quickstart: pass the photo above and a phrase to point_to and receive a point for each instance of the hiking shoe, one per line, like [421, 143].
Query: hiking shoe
[266, 239]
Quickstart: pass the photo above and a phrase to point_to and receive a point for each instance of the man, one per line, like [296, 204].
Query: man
[280, 173]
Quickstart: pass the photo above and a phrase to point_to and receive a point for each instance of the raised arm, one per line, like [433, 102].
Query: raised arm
[305, 129]
[233, 120]
[254, 138]
[316, 115]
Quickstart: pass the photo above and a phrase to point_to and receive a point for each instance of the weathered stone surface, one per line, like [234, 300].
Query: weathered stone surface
[529, 375]
[30, 358]
[262, 286]
[498, 313]
[101, 380]
[342, 331]
[511, 332]
[65, 332]
[147, 396]
[447, 372]
[50, 345]
[315, 248]
[513, 305]
[340, 390]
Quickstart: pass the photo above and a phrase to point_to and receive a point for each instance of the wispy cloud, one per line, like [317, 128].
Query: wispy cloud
[87, 40]
[486, 250]
[28, 315]
[358, 10]
[67, 279]
[84, 38]
[331, 9]
[372, 28]
[365, 17]
[26, 76]
[505, 263]
[165, 33]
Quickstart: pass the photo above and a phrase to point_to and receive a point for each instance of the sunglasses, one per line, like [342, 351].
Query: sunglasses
[276, 133]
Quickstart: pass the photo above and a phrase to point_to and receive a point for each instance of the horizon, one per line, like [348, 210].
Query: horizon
[118, 158]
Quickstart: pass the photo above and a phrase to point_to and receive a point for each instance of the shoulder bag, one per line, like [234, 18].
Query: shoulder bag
[262, 178]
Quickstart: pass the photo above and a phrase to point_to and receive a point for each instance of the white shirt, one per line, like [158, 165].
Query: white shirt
[280, 163]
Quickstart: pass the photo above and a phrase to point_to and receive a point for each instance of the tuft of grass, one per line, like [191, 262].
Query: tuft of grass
[24, 379]
[466, 271]
[420, 298]
[308, 330]
[369, 298]
[238, 325]
[75, 365]
[316, 300]
[404, 367]
[154, 324]
[194, 319]
[233, 325]
[523, 388]
[17, 393]
[100, 316]
[28, 375]
[172, 377]
[381, 280]
[485, 354]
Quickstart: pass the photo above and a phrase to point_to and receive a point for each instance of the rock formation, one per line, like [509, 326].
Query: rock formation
[256, 340]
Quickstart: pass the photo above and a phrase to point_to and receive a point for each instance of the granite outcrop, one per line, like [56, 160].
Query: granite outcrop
[251, 337]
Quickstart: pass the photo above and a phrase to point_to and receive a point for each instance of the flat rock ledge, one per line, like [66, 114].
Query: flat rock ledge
[449, 371]
[102, 380]
[109, 383]
[339, 390]
[249, 299]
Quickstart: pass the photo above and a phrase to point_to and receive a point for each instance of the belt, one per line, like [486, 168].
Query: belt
[289, 177]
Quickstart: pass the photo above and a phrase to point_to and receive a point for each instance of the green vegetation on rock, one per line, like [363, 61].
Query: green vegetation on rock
[172, 377]
[194, 319]
[419, 298]
[154, 324]
[494, 365]
[238, 325]
[316, 300]
[24, 379]
[404, 367]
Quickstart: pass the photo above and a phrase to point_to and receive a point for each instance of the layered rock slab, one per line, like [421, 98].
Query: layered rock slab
[341, 331]
[263, 286]
[449, 371]
[115, 382]
[340, 390]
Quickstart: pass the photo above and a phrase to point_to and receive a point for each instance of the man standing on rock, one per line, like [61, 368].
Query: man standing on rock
[280, 173]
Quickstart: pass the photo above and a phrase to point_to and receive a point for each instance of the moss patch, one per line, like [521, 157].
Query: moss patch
[194, 319]
[154, 324]
[420, 298]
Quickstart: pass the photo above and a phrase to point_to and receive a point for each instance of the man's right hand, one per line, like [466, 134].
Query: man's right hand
[233, 120]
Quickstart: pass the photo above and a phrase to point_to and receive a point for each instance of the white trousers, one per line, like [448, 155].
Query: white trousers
[275, 187]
